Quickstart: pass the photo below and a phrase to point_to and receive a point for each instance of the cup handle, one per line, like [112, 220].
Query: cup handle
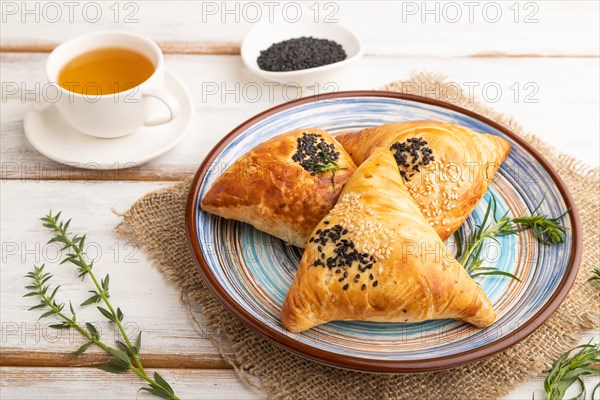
[168, 100]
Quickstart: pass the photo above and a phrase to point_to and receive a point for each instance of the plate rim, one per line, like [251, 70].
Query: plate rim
[280, 338]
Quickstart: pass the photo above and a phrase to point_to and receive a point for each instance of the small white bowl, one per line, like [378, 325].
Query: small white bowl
[264, 34]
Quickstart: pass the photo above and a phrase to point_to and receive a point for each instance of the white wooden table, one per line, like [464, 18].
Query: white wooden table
[536, 61]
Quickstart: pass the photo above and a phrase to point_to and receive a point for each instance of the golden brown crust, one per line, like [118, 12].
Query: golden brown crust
[275, 194]
[448, 189]
[417, 278]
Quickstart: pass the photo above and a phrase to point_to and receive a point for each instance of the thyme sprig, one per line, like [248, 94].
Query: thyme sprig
[328, 166]
[546, 229]
[126, 357]
[569, 369]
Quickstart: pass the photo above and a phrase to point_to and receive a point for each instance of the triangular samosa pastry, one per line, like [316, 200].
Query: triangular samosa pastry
[283, 186]
[447, 168]
[374, 257]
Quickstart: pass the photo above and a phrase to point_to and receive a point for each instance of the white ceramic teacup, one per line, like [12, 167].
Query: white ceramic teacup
[117, 114]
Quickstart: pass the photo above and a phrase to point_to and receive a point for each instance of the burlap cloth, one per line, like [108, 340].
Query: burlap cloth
[156, 223]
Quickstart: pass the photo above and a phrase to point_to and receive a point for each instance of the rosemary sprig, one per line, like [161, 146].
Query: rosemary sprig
[122, 359]
[570, 369]
[595, 279]
[546, 229]
[328, 165]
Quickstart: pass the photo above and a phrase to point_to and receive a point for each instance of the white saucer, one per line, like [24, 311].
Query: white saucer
[56, 139]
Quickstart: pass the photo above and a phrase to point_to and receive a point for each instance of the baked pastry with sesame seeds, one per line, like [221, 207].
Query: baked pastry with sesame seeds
[283, 186]
[374, 257]
[447, 168]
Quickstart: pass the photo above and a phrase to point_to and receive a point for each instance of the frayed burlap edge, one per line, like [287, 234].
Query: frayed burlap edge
[156, 223]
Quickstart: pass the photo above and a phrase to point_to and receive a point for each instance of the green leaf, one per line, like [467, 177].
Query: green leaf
[119, 315]
[37, 306]
[595, 279]
[63, 325]
[47, 314]
[107, 314]
[138, 343]
[113, 369]
[120, 356]
[125, 348]
[72, 311]
[92, 330]
[157, 392]
[79, 263]
[159, 379]
[94, 299]
[496, 272]
[54, 292]
[82, 349]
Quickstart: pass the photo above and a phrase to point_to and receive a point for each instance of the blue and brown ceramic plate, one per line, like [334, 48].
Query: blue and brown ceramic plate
[250, 271]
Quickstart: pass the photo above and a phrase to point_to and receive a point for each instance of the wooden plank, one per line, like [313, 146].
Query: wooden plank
[403, 28]
[540, 93]
[91, 383]
[18, 357]
[168, 47]
[150, 304]
[75, 383]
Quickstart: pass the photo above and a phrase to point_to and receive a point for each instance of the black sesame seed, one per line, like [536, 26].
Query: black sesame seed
[326, 222]
[371, 276]
[341, 279]
[416, 148]
[311, 150]
[345, 287]
[375, 283]
[344, 251]
[363, 287]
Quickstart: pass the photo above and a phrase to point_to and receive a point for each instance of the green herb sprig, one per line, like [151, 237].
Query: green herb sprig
[569, 369]
[595, 279]
[126, 357]
[546, 229]
[328, 166]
